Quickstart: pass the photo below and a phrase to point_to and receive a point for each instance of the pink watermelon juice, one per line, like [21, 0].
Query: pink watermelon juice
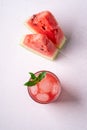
[47, 90]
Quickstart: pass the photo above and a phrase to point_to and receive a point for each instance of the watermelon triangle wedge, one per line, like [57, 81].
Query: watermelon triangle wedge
[40, 44]
[47, 38]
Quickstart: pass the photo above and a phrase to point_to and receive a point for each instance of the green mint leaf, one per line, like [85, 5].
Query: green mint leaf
[31, 83]
[41, 75]
[32, 75]
[35, 79]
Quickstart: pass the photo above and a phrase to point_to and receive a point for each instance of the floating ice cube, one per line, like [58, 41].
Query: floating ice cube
[34, 90]
[45, 86]
[55, 89]
[43, 97]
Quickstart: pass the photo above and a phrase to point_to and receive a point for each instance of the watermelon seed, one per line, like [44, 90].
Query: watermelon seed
[43, 27]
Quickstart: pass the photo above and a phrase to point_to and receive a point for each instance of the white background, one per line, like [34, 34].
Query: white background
[17, 110]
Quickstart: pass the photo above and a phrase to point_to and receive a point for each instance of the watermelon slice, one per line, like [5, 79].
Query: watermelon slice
[40, 44]
[45, 23]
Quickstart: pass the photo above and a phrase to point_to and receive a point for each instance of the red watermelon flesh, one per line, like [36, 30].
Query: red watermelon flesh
[45, 23]
[40, 44]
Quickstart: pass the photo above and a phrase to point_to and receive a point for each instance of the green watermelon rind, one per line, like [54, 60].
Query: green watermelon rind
[62, 42]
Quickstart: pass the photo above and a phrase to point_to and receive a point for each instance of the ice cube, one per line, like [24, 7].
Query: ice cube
[45, 86]
[55, 89]
[42, 97]
[34, 90]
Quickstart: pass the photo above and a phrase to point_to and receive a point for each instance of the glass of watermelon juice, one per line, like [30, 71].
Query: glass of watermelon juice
[47, 90]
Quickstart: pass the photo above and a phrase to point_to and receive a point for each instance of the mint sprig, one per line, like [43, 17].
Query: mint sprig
[34, 80]
[32, 75]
